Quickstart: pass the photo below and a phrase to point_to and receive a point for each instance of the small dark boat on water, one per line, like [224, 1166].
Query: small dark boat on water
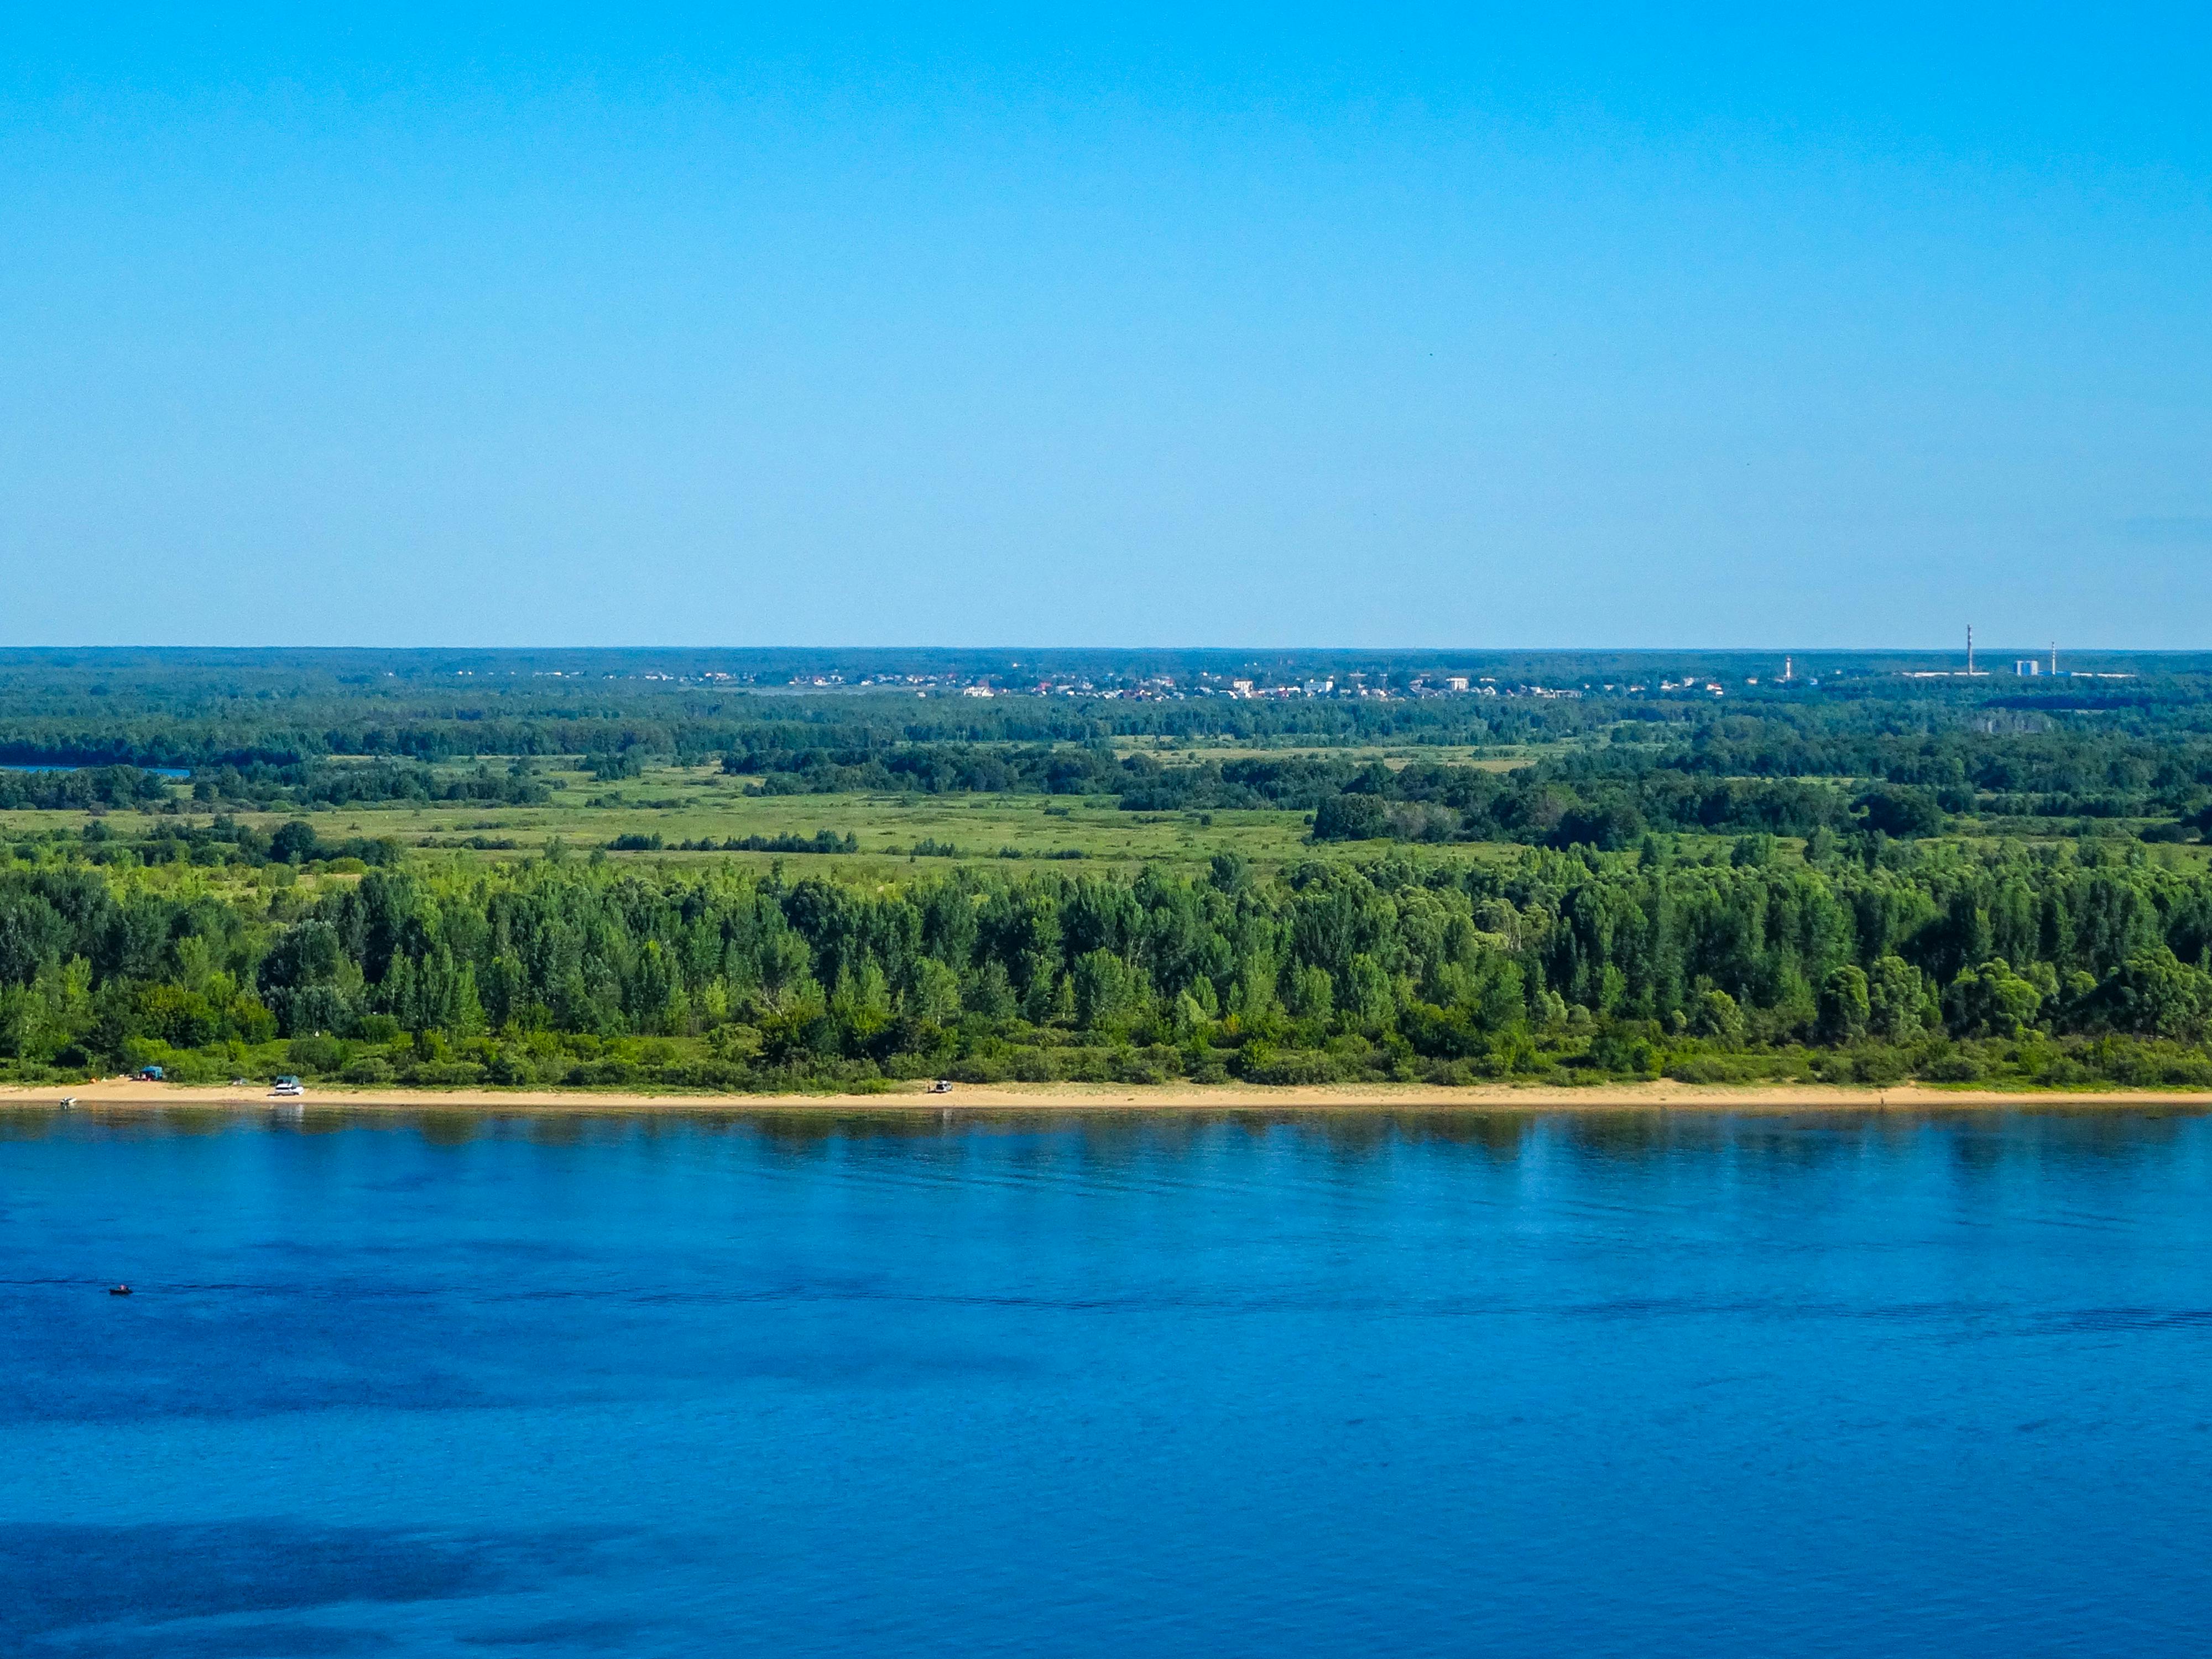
[118, 1289]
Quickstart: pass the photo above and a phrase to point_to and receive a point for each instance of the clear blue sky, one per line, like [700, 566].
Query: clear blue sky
[1357, 325]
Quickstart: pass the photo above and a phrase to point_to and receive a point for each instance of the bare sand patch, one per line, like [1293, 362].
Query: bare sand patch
[1184, 1097]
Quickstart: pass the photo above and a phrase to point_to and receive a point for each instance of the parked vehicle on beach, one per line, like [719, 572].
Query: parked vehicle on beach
[287, 1088]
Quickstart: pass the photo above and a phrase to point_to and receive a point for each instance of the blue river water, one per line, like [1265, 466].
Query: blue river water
[1413, 1384]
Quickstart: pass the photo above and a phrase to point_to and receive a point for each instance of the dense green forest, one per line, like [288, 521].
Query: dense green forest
[2051, 966]
[1474, 866]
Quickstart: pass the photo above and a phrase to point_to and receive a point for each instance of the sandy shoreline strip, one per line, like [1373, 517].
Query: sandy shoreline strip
[914, 1099]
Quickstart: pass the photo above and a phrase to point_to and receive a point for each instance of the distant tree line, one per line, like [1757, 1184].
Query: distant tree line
[821, 841]
[84, 790]
[932, 770]
[174, 710]
[222, 841]
[1904, 758]
[326, 783]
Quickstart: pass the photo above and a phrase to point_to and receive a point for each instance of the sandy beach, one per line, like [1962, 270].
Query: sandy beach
[1079, 1097]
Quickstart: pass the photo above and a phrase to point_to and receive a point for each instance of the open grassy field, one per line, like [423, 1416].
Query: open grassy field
[680, 803]
[694, 804]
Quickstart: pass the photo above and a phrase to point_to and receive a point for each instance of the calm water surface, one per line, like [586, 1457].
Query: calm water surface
[1406, 1385]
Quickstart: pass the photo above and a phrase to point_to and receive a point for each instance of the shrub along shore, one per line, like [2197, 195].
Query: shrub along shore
[2059, 967]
